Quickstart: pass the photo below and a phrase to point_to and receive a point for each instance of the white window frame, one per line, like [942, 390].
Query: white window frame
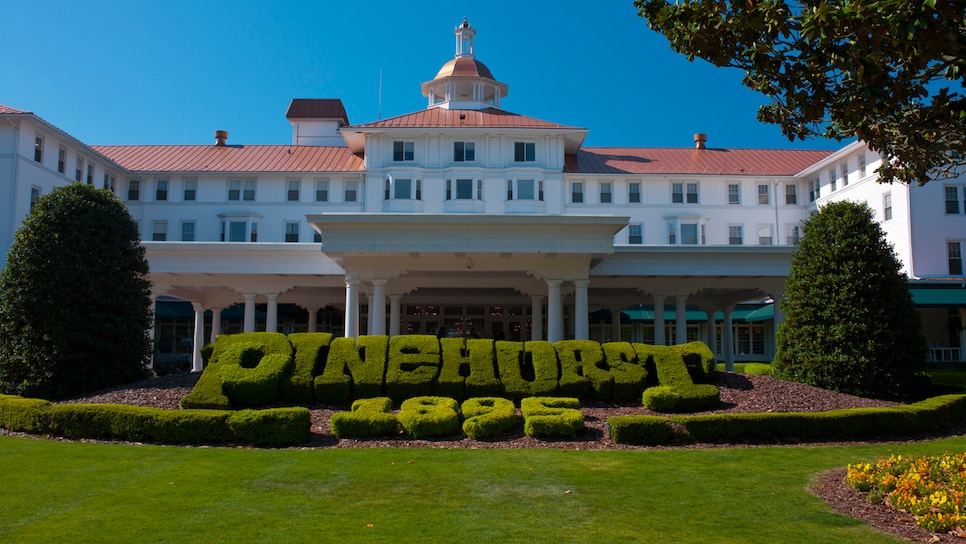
[90, 173]
[61, 159]
[161, 190]
[134, 189]
[34, 195]
[79, 169]
[321, 190]
[39, 148]
[606, 192]
[832, 180]
[764, 194]
[734, 194]
[189, 232]
[190, 190]
[249, 225]
[791, 194]
[676, 231]
[293, 190]
[736, 235]
[954, 257]
[291, 231]
[464, 151]
[691, 193]
[524, 151]
[159, 231]
[577, 192]
[765, 234]
[956, 210]
[634, 192]
[403, 151]
[845, 173]
[635, 234]
[453, 189]
[350, 190]
[887, 206]
[793, 234]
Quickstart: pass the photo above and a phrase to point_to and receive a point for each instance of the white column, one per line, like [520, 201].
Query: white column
[215, 324]
[615, 324]
[249, 325]
[271, 313]
[154, 317]
[536, 317]
[712, 338]
[197, 364]
[779, 317]
[351, 308]
[394, 314]
[962, 334]
[681, 319]
[729, 343]
[377, 307]
[581, 310]
[313, 324]
[554, 311]
[659, 320]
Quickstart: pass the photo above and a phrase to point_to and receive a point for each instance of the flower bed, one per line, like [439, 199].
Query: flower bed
[931, 488]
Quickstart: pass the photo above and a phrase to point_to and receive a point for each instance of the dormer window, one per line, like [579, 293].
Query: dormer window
[403, 151]
[524, 151]
[464, 151]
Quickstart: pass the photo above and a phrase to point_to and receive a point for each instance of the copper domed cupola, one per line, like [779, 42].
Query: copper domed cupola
[464, 82]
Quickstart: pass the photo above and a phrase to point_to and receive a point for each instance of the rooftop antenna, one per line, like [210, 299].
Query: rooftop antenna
[379, 108]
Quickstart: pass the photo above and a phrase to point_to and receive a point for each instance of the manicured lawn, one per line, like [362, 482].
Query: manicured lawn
[74, 492]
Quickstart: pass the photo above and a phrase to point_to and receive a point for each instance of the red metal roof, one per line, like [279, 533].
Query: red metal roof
[464, 67]
[6, 110]
[317, 108]
[446, 118]
[232, 158]
[691, 161]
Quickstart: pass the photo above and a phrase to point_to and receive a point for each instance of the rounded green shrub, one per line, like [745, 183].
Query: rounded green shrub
[486, 417]
[423, 417]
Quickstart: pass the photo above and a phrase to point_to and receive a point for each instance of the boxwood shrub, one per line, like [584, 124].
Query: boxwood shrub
[467, 369]
[311, 350]
[353, 370]
[272, 427]
[258, 385]
[583, 370]
[528, 369]
[486, 417]
[641, 430]
[551, 416]
[630, 378]
[413, 366]
[23, 415]
[698, 359]
[368, 417]
[423, 417]
[678, 393]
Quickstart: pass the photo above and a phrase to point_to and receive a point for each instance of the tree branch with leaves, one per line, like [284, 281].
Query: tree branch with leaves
[889, 72]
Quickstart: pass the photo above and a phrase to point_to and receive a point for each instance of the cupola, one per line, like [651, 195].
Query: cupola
[464, 83]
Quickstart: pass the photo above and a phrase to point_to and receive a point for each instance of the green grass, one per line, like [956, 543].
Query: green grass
[81, 492]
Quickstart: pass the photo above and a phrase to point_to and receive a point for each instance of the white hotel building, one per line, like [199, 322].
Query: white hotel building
[483, 222]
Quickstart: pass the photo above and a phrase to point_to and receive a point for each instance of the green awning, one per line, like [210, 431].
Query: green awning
[940, 296]
[765, 313]
[646, 314]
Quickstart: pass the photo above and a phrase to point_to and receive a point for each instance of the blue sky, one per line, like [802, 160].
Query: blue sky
[172, 72]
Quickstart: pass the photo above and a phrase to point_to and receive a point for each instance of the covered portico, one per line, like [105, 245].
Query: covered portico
[540, 257]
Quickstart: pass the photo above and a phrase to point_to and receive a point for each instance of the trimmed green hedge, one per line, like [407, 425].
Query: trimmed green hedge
[275, 427]
[630, 378]
[248, 370]
[413, 365]
[467, 369]
[429, 416]
[368, 417]
[641, 430]
[551, 416]
[677, 393]
[853, 424]
[486, 417]
[527, 369]
[311, 352]
[583, 370]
